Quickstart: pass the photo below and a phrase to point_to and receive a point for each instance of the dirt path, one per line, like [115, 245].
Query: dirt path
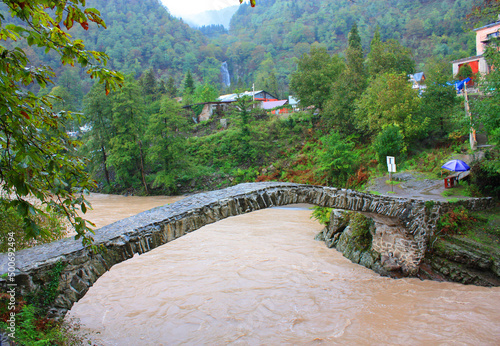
[410, 185]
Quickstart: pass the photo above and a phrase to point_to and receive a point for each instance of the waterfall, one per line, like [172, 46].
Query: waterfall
[226, 79]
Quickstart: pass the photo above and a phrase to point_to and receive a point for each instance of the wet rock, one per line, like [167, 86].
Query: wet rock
[389, 263]
[321, 235]
[464, 261]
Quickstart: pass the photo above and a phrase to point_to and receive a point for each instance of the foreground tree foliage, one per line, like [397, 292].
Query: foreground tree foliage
[39, 171]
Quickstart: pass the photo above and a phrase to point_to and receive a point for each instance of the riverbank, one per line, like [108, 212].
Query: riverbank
[470, 254]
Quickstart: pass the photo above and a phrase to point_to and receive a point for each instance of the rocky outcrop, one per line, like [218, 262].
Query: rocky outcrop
[462, 260]
[414, 219]
[384, 248]
[375, 243]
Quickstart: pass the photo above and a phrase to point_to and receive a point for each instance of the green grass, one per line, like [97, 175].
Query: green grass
[373, 192]
[447, 193]
[487, 229]
[393, 182]
[454, 199]
[460, 190]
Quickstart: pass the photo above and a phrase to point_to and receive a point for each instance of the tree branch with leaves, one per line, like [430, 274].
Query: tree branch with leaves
[37, 157]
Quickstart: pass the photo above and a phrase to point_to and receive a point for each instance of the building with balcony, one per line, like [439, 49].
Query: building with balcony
[478, 63]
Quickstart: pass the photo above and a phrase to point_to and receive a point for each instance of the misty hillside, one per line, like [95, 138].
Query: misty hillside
[214, 17]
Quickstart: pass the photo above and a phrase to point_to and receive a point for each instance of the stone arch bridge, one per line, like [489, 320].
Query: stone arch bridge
[412, 223]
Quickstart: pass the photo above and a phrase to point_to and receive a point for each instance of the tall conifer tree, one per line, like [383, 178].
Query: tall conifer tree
[349, 86]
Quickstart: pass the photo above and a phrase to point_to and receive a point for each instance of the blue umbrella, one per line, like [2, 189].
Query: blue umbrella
[456, 166]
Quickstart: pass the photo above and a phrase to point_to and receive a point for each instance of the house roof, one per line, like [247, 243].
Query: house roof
[488, 25]
[273, 104]
[471, 58]
[233, 97]
[418, 76]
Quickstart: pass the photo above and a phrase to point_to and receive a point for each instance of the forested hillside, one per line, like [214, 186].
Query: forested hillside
[264, 41]
[140, 35]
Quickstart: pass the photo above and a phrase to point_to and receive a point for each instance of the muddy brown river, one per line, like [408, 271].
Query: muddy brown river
[262, 279]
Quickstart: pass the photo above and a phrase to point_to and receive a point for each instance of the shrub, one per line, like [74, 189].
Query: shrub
[485, 175]
[464, 72]
[390, 142]
[455, 221]
[322, 214]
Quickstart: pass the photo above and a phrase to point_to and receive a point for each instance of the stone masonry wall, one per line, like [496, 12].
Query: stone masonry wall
[145, 231]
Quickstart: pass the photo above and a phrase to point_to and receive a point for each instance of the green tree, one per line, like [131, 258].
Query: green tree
[488, 107]
[127, 154]
[166, 153]
[338, 158]
[98, 116]
[206, 93]
[188, 84]
[36, 155]
[170, 87]
[439, 104]
[271, 84]
[389, 57]
[354, 52]
[349, 86]
[316, 73]
[464, 72]
[243, 151]
[188, 89]
[210, 71]
[388, 100]
[62, 102]
[389, 142]
[71, 81]
[149, 84]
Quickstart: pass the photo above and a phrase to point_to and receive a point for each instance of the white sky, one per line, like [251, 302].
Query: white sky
[178, 8]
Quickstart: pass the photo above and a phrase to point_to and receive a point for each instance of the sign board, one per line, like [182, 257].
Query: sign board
[391, 164]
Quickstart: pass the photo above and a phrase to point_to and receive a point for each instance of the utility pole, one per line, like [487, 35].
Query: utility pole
[472, 134]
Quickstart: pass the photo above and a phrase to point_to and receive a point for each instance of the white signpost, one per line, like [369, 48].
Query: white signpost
[391, 167]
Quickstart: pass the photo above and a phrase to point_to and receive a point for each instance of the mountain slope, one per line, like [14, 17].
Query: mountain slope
[142, 34]
[286, 29]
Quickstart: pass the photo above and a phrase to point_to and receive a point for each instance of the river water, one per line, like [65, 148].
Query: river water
[262, 279]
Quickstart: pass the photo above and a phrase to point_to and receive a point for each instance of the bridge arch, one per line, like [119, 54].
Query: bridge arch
[143, 232]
